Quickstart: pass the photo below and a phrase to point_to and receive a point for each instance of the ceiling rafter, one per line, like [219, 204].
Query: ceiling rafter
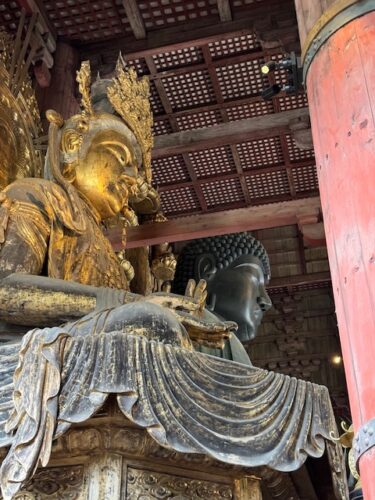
[224, 115]
[168, 108]
[196, 33]
[226, 133]
[135, 19]
[225, 12]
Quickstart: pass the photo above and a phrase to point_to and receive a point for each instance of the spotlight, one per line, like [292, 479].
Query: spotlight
[268, 67]
[336, 359]
[291, 65]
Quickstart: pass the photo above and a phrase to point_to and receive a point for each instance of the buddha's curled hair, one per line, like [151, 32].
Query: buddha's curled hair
[223, 250]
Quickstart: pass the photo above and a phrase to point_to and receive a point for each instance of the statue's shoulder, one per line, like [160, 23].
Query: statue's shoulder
[39, 196]
[33, 190]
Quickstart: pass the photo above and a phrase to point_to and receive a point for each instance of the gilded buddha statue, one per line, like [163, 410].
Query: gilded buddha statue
[112, 341]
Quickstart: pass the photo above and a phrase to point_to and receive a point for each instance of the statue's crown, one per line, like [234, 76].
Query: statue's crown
[130, 98]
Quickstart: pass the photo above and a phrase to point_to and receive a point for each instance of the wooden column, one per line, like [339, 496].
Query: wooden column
[339, 60]
[61, 93]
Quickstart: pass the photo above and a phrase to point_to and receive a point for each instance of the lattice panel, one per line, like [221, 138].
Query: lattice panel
[279, 76]
[248, 110]
[162, 13]
[199, 120]
[288, 102]
[9, 15]
[268, 184]
[242, 79]
[297, 154]
[235, 45]
[244, 4]
[156, 104]
[305, 179]
[169, 170]
[86, 20]
[162, 127]
[179, 201]
[260, 153]
[222, 192]
[188, 90]
[178, 58]
[139, 65]
[212, 162]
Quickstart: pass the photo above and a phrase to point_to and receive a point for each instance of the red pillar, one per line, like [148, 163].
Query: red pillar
[341, 91]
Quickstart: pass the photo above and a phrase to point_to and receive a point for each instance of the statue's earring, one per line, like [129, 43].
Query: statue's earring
[69, 171]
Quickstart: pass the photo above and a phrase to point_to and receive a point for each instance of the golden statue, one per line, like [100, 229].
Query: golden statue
[117, 342]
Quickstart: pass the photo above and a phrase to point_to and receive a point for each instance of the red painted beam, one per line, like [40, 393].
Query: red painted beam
[214, 224]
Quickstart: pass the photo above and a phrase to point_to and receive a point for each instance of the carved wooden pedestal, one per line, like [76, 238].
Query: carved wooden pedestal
[107, 458]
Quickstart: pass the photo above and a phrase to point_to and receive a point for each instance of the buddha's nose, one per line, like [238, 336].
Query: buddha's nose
[264, 301]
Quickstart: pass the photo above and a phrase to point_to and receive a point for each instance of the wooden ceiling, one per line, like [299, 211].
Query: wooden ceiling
[219, 145]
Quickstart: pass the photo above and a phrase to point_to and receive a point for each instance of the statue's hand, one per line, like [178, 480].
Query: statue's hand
[193, 301]
[198, 292]
[203, 327]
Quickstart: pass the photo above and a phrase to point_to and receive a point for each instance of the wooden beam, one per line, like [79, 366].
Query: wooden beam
[224, 9]
[225, 133]
[192, 33]
[134, 18]
[299, 280]
[37, 6]
[214, 224]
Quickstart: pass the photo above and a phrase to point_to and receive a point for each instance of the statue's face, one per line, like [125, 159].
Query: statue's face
[238, 294]
[106, 171]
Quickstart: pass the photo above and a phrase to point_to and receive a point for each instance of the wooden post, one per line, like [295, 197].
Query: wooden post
[103, 477]
[60, 95]
[340, 66]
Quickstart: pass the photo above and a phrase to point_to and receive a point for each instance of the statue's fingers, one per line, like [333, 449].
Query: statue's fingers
[202, 299]
[166, 287]
[190, 288]
[200, 288]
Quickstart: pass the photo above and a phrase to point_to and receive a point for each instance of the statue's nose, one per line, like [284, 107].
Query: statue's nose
[264, 301]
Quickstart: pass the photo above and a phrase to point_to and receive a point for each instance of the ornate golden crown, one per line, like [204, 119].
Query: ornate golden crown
[130, 98]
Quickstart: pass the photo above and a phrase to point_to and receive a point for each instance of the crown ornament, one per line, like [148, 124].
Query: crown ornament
[84, 87]
[129, 96]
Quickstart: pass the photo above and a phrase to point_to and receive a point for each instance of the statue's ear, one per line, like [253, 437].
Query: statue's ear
[205, 267]
[71, 141]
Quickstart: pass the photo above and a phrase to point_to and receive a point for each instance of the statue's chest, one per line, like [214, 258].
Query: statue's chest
[90, 259]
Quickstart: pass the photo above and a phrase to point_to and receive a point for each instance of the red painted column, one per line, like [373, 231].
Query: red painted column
[341, 92]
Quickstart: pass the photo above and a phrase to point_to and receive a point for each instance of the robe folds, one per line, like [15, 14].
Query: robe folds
[186, 400]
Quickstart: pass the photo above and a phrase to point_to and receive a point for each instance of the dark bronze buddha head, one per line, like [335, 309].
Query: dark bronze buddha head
[236, 268]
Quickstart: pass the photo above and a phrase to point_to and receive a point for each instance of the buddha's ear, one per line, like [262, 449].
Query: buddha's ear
[205, 267]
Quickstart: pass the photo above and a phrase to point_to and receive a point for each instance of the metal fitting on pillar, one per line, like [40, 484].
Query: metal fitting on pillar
[364, 440]
[340, 13]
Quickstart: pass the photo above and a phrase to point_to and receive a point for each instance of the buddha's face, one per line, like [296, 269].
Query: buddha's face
[238, 294]
[106, 170]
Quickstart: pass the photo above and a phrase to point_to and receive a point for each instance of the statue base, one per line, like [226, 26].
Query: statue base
[109, 458]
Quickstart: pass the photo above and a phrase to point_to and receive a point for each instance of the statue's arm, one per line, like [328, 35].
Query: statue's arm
[24, 233]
